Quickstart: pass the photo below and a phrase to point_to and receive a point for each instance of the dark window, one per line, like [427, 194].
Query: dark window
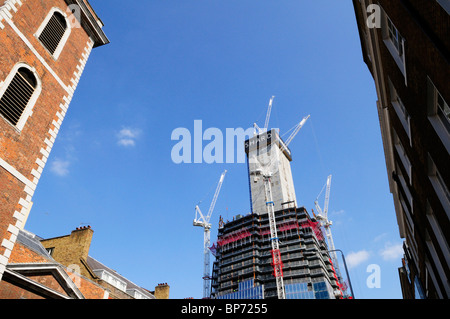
[53, 32]
[17, 95]
[443, 110]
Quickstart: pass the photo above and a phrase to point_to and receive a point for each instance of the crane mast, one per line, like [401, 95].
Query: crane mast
[322, 216]
[202, 221]
[276, 254]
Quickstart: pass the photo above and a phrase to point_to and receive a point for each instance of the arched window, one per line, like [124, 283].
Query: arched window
[54, 32]
[18, 95]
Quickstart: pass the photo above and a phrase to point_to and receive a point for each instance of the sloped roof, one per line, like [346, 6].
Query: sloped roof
[19, 272]
[33, 242]
[96, 265]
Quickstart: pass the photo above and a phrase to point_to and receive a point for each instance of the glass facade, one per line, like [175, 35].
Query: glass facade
[318, 290]
[299, 291]
[321, 290]
[246, 290]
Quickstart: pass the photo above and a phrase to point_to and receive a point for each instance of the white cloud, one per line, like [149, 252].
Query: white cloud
[353, 259]
[392, 252]
[127, 137]
[126, 142]
[339, 212]
[60, 167]
[380, 237]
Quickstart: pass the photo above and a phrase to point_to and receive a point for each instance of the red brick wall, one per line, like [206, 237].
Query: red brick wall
[10, 191]
[89, 289]
[22, 254]
[21, 149]
[10, 291]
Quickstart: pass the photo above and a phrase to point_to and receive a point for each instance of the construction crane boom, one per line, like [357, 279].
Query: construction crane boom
[256, 129]
[269, 111]
[202, 221]
[296, 130]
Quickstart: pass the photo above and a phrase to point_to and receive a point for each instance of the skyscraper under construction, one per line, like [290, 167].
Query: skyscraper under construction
[278, 250]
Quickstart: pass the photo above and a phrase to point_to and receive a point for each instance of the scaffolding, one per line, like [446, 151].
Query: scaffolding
[315, 227]
[234, 237]
[244, 252]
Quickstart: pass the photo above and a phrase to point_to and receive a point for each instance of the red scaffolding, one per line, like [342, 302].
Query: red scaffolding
[315, 226]
[233, 237]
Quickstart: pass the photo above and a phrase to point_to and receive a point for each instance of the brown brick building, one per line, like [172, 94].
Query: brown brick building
[406, 46]
[44, 47]
[33, 274]
[72, 251]
[61, 268]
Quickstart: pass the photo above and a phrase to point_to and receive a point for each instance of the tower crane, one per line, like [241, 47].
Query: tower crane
[203, 221]
[276, 254]
[322, 217]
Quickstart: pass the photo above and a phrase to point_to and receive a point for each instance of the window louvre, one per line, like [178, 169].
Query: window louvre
[17, 95]
[53, 32]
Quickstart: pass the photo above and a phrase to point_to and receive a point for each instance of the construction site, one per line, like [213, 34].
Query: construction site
[278, 250]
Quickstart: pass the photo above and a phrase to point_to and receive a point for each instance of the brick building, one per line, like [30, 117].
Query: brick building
[406, 47]
[44, 47]
[72, 251]
[61, 268]
[33, 274]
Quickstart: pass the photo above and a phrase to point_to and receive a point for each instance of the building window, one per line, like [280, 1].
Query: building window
[395, 36]
[439, 185]
[401, 111]
[437, 231]
[443, 111]
[54, 32]
[403, 155]
[438, 113]
[50, 250]
[111, 279]
[18, 94]
[394, 42]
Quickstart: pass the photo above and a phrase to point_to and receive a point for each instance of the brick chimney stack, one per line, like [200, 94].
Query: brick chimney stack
[72, 249]
[81, 239]
[162, 291]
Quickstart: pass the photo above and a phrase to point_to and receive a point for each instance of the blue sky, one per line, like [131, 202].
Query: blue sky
[171, 62]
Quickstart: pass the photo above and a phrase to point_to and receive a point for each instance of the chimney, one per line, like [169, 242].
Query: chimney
[69, 249]
[162, 291]
[81, 239]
